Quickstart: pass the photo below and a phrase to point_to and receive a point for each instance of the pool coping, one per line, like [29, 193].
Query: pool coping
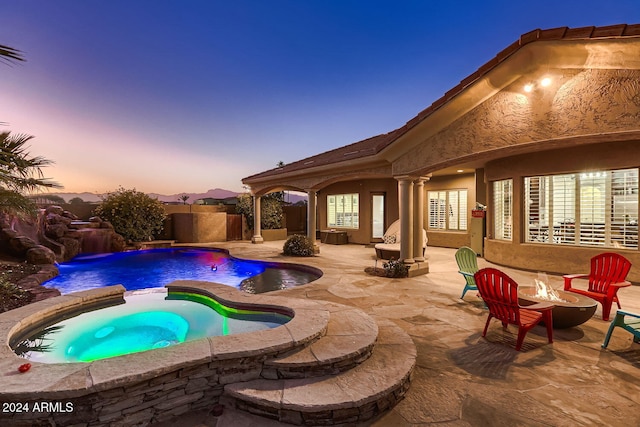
[64, 381]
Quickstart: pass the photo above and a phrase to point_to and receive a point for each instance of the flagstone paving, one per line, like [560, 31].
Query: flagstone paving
[461, 378]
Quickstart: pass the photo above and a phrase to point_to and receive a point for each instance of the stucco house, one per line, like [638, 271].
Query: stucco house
[546, 135]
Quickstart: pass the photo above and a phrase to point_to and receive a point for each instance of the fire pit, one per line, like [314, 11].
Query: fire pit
[570, 309]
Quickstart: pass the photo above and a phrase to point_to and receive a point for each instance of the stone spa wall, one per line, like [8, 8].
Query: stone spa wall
[149, 386]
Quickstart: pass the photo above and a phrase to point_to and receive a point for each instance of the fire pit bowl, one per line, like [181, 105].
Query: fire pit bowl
[573, 311]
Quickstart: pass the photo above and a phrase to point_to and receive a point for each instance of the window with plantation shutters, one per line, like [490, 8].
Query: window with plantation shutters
[447, 210]
[592, 207]
[563, 208]
[624, 208]
[343, 211]
[550, 209]
[437, 201]
[536, 213]
[598, 208]
[503, 209]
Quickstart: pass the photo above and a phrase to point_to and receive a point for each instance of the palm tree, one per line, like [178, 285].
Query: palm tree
[20, 173]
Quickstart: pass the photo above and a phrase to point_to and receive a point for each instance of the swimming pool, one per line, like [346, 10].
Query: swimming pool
[147, 320]
[153, 268]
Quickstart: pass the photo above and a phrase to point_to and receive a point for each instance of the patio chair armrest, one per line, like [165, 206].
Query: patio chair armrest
[466, 273]
[621, 284]
[626, 313]
[575, 276]
[539, 306]
[569, 277]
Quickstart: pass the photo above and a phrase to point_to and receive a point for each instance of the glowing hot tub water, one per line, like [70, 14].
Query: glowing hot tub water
[146, 321]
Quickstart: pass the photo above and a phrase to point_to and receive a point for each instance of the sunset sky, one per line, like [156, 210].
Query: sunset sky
[185, 96]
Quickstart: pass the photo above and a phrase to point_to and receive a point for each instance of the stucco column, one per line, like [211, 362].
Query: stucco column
[311, 216]
[418, 219]
[405, 192]
[257, 232]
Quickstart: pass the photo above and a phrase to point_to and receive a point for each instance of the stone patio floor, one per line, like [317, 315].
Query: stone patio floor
[461, 378]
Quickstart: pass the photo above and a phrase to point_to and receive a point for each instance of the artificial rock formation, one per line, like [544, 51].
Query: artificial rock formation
[19, 246]
[57, 235]
[75, 236]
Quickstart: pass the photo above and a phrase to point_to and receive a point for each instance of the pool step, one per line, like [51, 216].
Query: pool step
[356, 395]
[349, 340]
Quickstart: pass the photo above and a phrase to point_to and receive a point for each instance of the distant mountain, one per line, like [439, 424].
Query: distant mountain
[87, 197]
[216, 193]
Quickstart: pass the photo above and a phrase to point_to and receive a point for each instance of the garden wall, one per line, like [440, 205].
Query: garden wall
[199, 227]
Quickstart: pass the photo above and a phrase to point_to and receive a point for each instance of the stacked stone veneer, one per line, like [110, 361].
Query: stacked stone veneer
[149, 386]
[331, 416]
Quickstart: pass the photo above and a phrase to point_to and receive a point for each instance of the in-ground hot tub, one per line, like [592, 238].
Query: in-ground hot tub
[145, 386]
[142, 321]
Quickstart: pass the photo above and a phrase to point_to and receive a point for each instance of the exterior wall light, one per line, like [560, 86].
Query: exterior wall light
[543, 83]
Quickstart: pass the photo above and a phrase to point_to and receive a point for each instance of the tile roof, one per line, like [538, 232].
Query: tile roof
[373, 145]
[364, 148]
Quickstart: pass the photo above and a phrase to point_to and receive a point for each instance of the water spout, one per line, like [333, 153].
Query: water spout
[95, 240]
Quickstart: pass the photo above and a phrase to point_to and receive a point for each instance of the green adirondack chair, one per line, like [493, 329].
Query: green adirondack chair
[467, 266]
[630, 324]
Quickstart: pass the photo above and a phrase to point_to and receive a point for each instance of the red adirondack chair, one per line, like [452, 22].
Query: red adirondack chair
[608, 274]
[500, 294]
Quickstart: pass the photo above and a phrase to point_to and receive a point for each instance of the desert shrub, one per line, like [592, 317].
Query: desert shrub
[395, 268]
[134, 215]
[271, 214]
[298, 245]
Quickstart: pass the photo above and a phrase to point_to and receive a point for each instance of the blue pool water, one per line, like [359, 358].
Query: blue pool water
[157, 267]
[148, 320]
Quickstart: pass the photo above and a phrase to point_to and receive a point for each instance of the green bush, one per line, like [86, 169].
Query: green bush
[298, 245]
[134, 215]
[395, 268]
[271, 214]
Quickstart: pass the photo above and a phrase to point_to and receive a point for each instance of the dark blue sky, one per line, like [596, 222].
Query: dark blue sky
[183, 96]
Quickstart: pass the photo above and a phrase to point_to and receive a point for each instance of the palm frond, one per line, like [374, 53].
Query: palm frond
[18, 170]
[9, 54]
[15, 203]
